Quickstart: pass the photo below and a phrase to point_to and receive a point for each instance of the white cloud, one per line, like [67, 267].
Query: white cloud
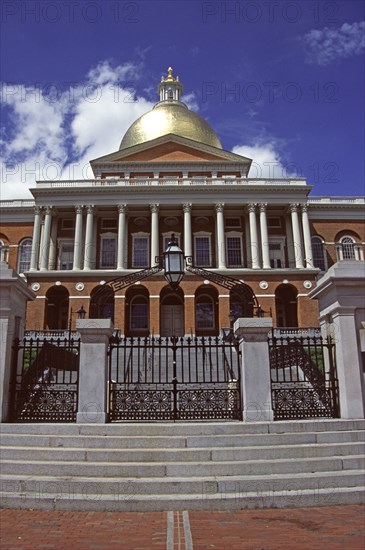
[326, 46]
[54, 136]
[266, 160]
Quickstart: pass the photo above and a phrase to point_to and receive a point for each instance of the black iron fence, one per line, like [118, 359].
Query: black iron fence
[174, 378]
[45, 375]
[303, 374]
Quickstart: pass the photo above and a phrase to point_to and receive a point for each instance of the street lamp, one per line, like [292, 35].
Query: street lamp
[174, 263]
[81, 313]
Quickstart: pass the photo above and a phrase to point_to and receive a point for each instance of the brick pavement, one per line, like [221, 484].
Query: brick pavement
[330, 528]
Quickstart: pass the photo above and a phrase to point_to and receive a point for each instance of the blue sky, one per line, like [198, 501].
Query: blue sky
[281, 82]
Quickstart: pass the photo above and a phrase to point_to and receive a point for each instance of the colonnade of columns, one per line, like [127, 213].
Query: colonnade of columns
[45, 233]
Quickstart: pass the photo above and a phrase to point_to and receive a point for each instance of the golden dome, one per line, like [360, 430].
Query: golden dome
[170, 116]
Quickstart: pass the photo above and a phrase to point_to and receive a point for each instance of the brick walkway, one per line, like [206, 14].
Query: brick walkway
[324, 528]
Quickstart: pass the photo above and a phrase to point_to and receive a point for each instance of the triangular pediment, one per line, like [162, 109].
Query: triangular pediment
[171, 148]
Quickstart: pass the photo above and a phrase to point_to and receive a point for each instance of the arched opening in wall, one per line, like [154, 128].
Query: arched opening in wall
[286, 303]
[3, 251]
[25, 251]
[56, 314]
[171, 312]
[137, 311]
[102, 303]
[206, 312]
[241, 302]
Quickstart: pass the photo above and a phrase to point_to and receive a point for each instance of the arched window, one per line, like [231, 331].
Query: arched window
[25, 250]
[139, 313]
[102, 303]
[319, 254]
[241, 302]
[347, 248]
[206, 311]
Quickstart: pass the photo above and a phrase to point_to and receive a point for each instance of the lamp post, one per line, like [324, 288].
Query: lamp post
[81, 313]
[173, 263]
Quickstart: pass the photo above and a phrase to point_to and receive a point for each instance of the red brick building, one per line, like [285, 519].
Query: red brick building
[171, 175]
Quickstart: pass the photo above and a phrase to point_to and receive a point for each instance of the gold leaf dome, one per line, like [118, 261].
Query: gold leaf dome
[170, 116]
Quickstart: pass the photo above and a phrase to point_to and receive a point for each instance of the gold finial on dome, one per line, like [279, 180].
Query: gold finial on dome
[170, 75]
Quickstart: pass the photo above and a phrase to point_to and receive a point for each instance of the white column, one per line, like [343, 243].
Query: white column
[46, 239]
[188, 239]
[53, 245]
[296, 236]
[89, 238]
[219, 208]
[307, 237]
[254, 244]
[154, 233]
[36, 239]
[78, 238]
[122, 210]
[264, 237]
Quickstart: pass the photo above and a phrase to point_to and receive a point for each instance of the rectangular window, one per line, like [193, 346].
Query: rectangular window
[68, 223]
[66, 256]
[232, 223]
[274, 222]
[108, 252]
[202, 251]
[109, 223]
[234, 251]
[140, 252]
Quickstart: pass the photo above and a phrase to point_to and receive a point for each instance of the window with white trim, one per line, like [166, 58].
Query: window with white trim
[319, 253]
[140, 250]
[108, 247]
[234, 249]
[66, 254]
[202, 250]
[25, 252]
[348, 248]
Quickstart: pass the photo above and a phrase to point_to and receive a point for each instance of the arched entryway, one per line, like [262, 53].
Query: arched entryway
[286, 303]
[172, 312]
[56, 314]
[102, 303]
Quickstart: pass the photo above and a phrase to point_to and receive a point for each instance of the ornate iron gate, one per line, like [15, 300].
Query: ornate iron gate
[44, 383]
[303, 374]
[154, 379]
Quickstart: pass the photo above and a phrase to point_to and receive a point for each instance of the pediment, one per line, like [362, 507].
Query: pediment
[171, 148]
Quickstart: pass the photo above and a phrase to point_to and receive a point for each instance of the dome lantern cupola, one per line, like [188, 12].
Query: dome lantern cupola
[170, 89]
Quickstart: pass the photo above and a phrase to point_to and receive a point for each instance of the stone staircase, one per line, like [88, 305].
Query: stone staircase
[168, 466]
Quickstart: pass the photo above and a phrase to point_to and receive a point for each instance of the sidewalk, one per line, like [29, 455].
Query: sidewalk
[325, 528]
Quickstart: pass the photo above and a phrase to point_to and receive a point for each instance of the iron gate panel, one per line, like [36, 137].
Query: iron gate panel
[45, 378]
[303, 375]
[173, 379]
